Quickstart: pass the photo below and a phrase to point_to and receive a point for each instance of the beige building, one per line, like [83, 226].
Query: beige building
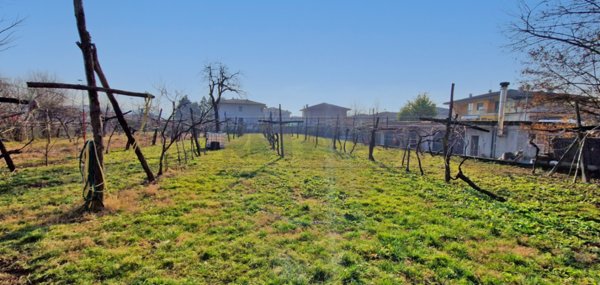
[325, 113]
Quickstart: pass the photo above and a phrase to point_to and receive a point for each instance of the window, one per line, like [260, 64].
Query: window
[496, 106]
[470, 107]
[479, 106]
[240, 108]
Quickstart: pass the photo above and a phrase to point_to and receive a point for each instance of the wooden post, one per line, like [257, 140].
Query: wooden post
[95, 200]
[156, 127]
[227, 127]
[281, 133]
[121, 118]
[48, 137]
[346, 139]
[446, 139]
[582, 158]
[104, 120]
[372, 142]
[408, 156]
[317, 134]
[337, 121]
[305, 129]
[562, 157]
[235, 125]
[6, 155]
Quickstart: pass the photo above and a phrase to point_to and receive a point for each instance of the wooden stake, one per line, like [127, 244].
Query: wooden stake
[449, 129]
[121, 118]
[317, 134]
[6, 155]
[95, 200]
[281, 133]
[582, 158]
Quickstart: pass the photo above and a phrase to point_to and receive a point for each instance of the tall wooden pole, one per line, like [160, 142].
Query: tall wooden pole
[280, 132]
[94, 201]
[317, 133]
[582, 157]
[156, 127]
[337, 122]
[447, 138]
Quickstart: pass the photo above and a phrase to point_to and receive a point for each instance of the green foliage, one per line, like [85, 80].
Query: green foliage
[421, 106]
[242, 215]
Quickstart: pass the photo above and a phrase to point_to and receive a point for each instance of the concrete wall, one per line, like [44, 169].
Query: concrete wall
[249, 113]
[492, 146]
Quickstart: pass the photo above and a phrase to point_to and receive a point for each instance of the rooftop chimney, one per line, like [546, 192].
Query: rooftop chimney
[501, 104]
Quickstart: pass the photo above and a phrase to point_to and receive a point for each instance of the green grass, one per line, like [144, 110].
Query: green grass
[244, 216]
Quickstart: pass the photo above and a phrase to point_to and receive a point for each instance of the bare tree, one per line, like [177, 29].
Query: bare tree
[175, 128]
[220, 81]
[7, 30]
[561, 41]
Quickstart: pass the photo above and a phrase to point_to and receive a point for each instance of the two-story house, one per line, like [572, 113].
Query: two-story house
[245, 111]
[508, 115]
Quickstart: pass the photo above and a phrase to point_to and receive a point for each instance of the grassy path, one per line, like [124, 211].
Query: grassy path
[244, 216]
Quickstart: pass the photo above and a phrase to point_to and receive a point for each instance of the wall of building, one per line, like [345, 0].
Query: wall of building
[491, 145]
[326, 116]
[487, 110]
[285, 115]
[249, 113]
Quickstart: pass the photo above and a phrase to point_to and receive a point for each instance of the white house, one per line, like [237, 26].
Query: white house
[274, 111]
[244, 110]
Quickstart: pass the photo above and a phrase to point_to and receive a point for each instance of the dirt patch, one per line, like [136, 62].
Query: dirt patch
[12, 273]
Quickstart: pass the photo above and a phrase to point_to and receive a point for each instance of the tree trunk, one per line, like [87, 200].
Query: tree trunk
[156, 128]
[110, 139]
[372, 142]
[217, 122]
[418, 156]
[460, 175]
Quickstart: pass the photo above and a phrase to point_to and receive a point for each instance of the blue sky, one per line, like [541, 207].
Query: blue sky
[351, 53]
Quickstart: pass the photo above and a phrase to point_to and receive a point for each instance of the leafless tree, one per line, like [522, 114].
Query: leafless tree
[7, 30]
[220, 81]
[175, 128]
[562, 41]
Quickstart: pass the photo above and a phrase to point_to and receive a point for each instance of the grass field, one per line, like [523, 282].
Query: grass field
[242, 215]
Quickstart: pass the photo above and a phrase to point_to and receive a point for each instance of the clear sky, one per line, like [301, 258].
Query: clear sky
[351, 53]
